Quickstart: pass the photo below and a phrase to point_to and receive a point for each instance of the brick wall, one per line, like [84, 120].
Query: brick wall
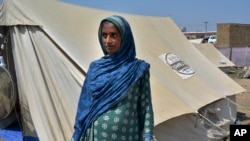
[233, 35]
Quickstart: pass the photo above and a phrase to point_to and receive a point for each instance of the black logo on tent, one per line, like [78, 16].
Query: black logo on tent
[178, 65]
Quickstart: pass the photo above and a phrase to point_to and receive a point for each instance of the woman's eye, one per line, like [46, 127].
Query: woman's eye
[114, 35]
[104, 35]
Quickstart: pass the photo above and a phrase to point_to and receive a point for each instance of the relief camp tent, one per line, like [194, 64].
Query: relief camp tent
[214, 55]
[52, 44]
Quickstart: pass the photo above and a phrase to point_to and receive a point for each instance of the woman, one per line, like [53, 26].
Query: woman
[115, 102]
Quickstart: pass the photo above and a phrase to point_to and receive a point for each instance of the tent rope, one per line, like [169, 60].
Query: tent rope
[214, 124]
[238, 104]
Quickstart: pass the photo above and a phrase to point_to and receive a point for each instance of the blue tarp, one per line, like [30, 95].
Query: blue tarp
[11, 133]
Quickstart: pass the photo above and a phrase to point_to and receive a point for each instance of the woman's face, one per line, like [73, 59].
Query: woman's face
[111, 38]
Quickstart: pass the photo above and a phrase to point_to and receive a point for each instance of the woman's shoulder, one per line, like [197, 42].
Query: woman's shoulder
[95, 62]
[143, 64]
[142, 61]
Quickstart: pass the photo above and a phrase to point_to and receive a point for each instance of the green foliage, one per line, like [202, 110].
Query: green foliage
[234, 72]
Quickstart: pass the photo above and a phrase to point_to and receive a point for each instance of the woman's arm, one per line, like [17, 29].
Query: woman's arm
[146, 108]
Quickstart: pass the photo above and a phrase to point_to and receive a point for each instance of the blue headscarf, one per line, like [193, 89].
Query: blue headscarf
[109, 78]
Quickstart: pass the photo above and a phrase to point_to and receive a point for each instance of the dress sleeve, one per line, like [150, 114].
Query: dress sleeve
[146, 108]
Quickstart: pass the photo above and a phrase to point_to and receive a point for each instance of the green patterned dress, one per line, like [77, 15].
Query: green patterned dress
[129, 119]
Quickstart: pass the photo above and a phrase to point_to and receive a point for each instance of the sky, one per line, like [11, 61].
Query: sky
[194, 15]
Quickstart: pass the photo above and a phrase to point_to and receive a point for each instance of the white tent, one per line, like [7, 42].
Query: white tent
[53, 43]
[214, 55]
[239, 55]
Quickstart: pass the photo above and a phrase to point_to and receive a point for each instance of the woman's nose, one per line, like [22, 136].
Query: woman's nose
[108, 40]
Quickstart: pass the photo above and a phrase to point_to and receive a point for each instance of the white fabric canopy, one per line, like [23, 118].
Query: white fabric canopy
[214, 55]
[53, 44]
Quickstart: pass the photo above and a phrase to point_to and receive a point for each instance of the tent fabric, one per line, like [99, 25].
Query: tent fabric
[52, 50]
[214, 55]
[199, 127]
[247, 74]
[240, 56]
[17, 14]
[48, 90]
[197, 41]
